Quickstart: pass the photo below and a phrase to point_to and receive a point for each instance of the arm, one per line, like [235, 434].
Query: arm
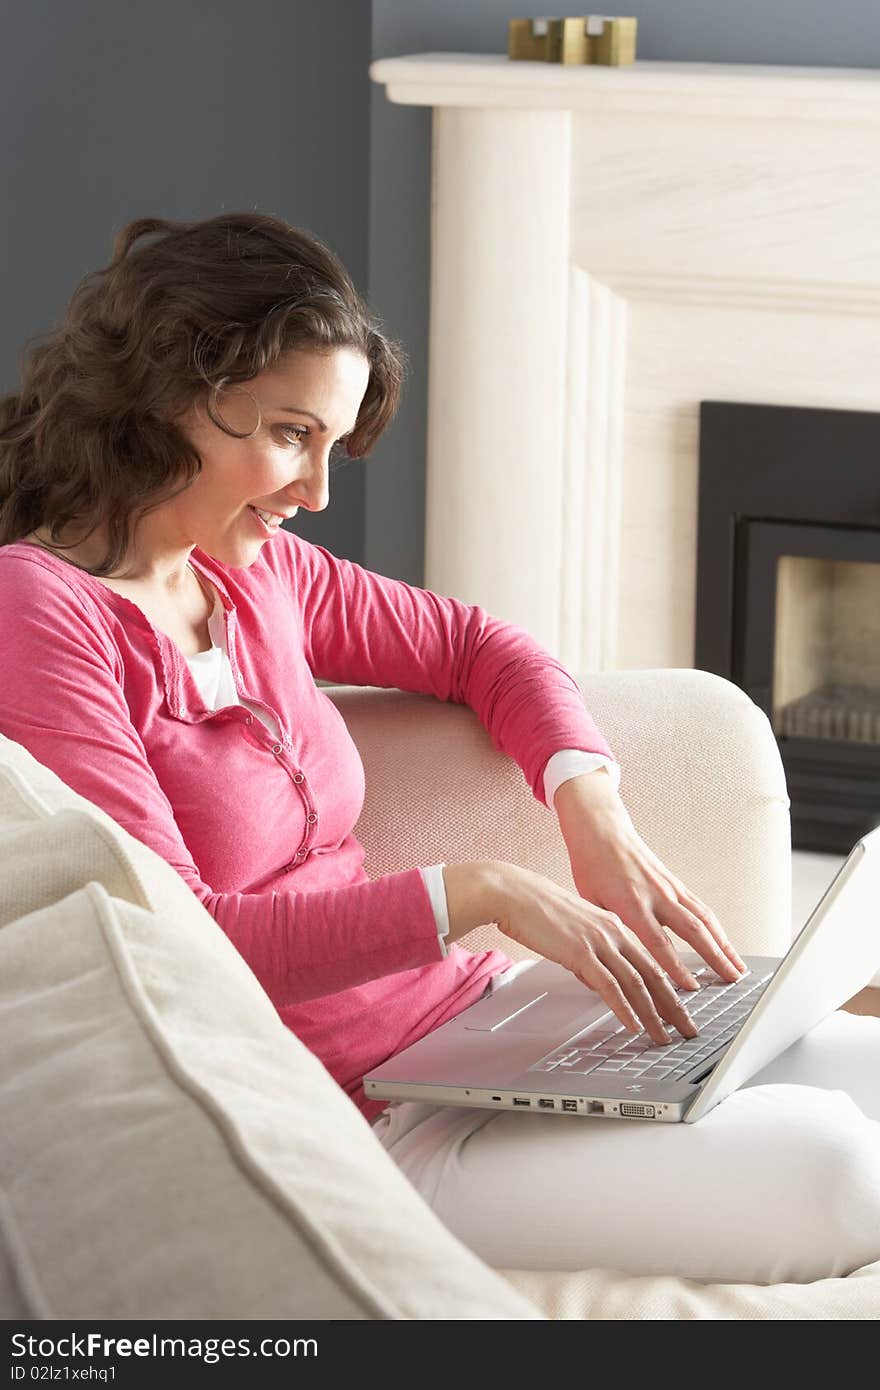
[611, 934]
[360, 628]
[63, 700]
[612, 866]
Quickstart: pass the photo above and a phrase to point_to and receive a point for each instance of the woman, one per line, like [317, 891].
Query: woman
[165, 636]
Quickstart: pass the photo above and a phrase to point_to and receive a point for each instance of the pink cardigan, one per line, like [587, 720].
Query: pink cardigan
[260, 830]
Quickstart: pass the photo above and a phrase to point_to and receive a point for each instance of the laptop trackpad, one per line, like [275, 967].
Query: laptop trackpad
[540, 1014]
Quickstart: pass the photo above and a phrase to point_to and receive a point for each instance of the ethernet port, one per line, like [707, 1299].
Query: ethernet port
[595, 1107]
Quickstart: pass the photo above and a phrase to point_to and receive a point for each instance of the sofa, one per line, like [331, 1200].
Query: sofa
[169, 1150]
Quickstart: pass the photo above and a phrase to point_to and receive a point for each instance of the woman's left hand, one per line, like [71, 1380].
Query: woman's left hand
[614, 868]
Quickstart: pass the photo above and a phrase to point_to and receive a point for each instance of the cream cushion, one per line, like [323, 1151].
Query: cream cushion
[169, 1149]
[608, 1295]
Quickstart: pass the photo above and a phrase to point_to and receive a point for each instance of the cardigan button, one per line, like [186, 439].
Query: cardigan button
[299, 777]
[276, 748]
[249, 719]
[311, 818]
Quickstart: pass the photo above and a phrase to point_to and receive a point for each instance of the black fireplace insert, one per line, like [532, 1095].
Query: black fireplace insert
[788, 597]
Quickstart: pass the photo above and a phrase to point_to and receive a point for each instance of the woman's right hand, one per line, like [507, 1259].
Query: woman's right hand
[561, 926]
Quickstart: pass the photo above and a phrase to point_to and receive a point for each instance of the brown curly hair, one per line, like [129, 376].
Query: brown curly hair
[90, 439]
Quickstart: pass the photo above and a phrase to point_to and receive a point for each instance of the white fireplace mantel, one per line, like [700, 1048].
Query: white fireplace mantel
[610, 246]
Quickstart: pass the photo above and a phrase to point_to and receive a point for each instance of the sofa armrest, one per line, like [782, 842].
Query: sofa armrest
[702, 780]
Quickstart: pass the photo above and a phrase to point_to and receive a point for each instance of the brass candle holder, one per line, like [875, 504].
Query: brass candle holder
[605, 39]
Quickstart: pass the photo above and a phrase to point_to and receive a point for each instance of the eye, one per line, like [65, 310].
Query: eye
[299, 432]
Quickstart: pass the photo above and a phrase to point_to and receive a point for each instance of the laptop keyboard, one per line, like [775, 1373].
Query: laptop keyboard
[718, 1010]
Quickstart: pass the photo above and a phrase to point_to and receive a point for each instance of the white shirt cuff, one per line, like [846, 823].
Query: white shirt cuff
[571, 762]
[436, 887]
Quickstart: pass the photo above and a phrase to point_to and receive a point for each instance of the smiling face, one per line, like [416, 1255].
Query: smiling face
[309, 403]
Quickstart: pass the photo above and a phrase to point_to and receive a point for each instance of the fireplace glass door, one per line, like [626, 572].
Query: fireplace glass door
[807, 639]
[826, 668]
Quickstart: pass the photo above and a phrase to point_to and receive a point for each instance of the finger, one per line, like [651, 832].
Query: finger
[711, 923]
[642, 923]
[682, 974]
[692, 929]
[634, 988]
[598, 977]
[667, 1004]
[692, 903]
[666, 1001]
[704, 915]
[657, 940]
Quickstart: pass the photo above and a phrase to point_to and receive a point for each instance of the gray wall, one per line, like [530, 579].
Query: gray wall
[181, 109]
[187, 108]
[785, 32]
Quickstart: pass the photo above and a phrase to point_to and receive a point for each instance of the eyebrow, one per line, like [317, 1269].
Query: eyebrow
[298, 410]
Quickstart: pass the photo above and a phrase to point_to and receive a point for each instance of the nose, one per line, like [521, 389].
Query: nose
[312, 491]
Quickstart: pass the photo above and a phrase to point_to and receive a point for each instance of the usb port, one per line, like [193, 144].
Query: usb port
[546, 1104]
[569, 1105]
[518, 1100]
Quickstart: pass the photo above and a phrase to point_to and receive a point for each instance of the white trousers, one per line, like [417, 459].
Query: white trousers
[779, 1183]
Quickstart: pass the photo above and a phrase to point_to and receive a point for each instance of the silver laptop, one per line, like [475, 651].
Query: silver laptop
[546, 1042]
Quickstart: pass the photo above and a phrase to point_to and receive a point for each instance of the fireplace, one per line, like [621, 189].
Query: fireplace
[587, 292]
[788, 597]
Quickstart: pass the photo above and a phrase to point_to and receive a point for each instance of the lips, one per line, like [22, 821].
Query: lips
[268, 528]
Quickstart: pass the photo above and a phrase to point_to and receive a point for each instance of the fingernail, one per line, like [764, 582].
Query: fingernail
[690, 982]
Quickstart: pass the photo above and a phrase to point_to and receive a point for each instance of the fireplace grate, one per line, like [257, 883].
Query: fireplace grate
[847, 713]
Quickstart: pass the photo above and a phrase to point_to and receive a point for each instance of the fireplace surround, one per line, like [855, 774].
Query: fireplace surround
[609, 247]
[788, 597]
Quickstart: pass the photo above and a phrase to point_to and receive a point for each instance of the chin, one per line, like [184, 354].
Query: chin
[234, 557]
